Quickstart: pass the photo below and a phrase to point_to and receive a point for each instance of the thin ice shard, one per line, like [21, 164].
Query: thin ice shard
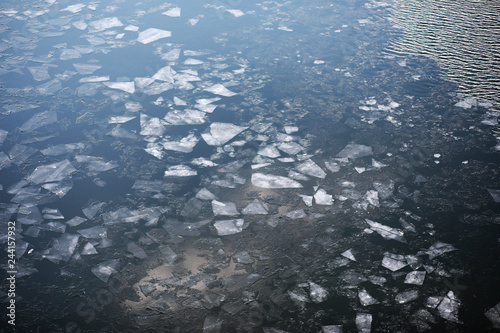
[394, 262]
[385, 231]
[220, 133]
[353, 150]
[40, 119]
[229, 227]
[104, 270]
[310, 168]
[255, 207]
[51, 172]
[152, 34]
[271, 181]
[219, 89]
[439, 248]
[364, 322]
[224, 208]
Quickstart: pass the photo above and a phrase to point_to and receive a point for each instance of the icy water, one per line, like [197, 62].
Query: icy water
[236, 166]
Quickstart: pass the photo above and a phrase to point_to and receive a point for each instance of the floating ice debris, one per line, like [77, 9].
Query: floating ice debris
[74, 8]
[212, 324]
[20, 153]
[332, 329]
[271, 181]
[229, 227]
[191, 61]
[353, 150]
[235, 12]
[493, 315]
[386, 231]
[219, 89]
[269, 151]
[96, 164]
[69, 54]
[40, 73]
[393, 262]
[62, 248]
[52, 214]
[136, 250]
[203, 162]
[317, 293]
[185, 117]
[152, 34]
[205, 194]
[291, 148]
[296, 214]
[406, 296]
[297, 175]
[3, 135]
[4, 160]
[366, 299]
[308, 199]
[439, 248]
[185, 145]
[310, 168]
[165, 74]
[88, 249]
[467, 103]
[448, 308]
[104, 270]
[173, 12]
[415, 277]
[131, 28]
[495, 194]
[220, 133]
[94, 232]
[105, 23]
[53, 226]
[38, 120]
[125, 86]
[224, 208]
[364, 322]
[255, 207]
[348, 254]
[51, 172]
[151, 126]
[332, 166]
[243, 258]
[323, 198]
[180, 171]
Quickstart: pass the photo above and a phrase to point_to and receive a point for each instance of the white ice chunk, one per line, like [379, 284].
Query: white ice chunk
[219, 89]
[165, 74]
[394, 262]
[88, 249]
[366, 299]
[332, 166]
[173, 12]
[364, 322]
[96, 164]
[151, 126]
[348, 254]
[317, 293]
[77, 220]
[406, 296]
[179, 102]
[439, 248]
[106, 23]
[353, 150]
[495, 194]
[94, 232]
[296, 214]
[40, 73]
[448, 308]
[291, 148]
[62, 248]
[205, 194]
[120, 119]
[74, 8]
[51, 172]
[271, 181]
[38, 120]
[180, 171]
[152, 34]
[235, 12]
[386, 231]
[493, 315]
[323, 198]
[269, 151]
[185, 117]
[192, 61]
[229, 227]
[131, 28]
[332, 329]
[415, 277]
[310, 168]
[308, 199]
[255, 207]
[104, 270]
[220, 133]
[185, 145]
[125, 86]
[224, 208]
[85, 69]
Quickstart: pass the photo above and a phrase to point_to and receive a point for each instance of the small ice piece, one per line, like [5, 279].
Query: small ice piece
[229, 227]
[269, 151]
[377, 164]
[291, 148]
[165, 74]
[271, 181]
[105, 23]
[94, 232]
[205, 194]
[393, 262]
[415, 277]
[54, 227]
[125, 86]
[219, 89]
[310, 168]
[291, 129]
[54, 172]
[221, 133]
[297, 175]
[332, 328]
[308, 199]
[3, 135]
[180, 171]
[323, 198]
[439, 248]
[136, 250]
[96, 164]
[212, 324]
[386, 231]
[353, 150]
[296, 214]
[104, 270]
[255, 207]
[366, 299]
[52, 214]
[360, 170]
[317, 293]
[224, 208]
[243, 258]
[152, 34]
[235, 12]
[433, 301]
[406, 296]
[38, 120]
[493, 315]
[185, 145]
[348, 254]
[448, 308]
[147, 289]
[364, 322]
[62, 248]
[173, 12]
[185, 117]
[495, 194]
[88, 249]
[332, 166]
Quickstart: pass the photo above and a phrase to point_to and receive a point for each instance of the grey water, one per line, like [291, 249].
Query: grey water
[235, 166]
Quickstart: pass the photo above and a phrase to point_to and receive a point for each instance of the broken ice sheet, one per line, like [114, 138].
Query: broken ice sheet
[180, 171]
[219, 89]
[152, 34]
[406, 296]
[185, 117]
[366, 299]
[386, 231]
[493, 315]
[38, 120]
[255, 207]
[317, 293]
[348, 254]
[94, 232]
[415, 277]
[205, 194]
[88, 249]
[151, 125]
[439, 248]
[220, 133]
[229, 227]
[51, 172]
[136, 250]
[104, 270]
[185, 145]
[323, 198]
[353, 150]
[310, 168]
[124, 86]
[62, 248]
[394, 262]
[96, 164]
[495, 194]
[272, 181]
[448, 308]
[332, 329]
[224, 208]
[364, 322]
[105, 23]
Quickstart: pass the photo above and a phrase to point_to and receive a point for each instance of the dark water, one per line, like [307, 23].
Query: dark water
[332, 115]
